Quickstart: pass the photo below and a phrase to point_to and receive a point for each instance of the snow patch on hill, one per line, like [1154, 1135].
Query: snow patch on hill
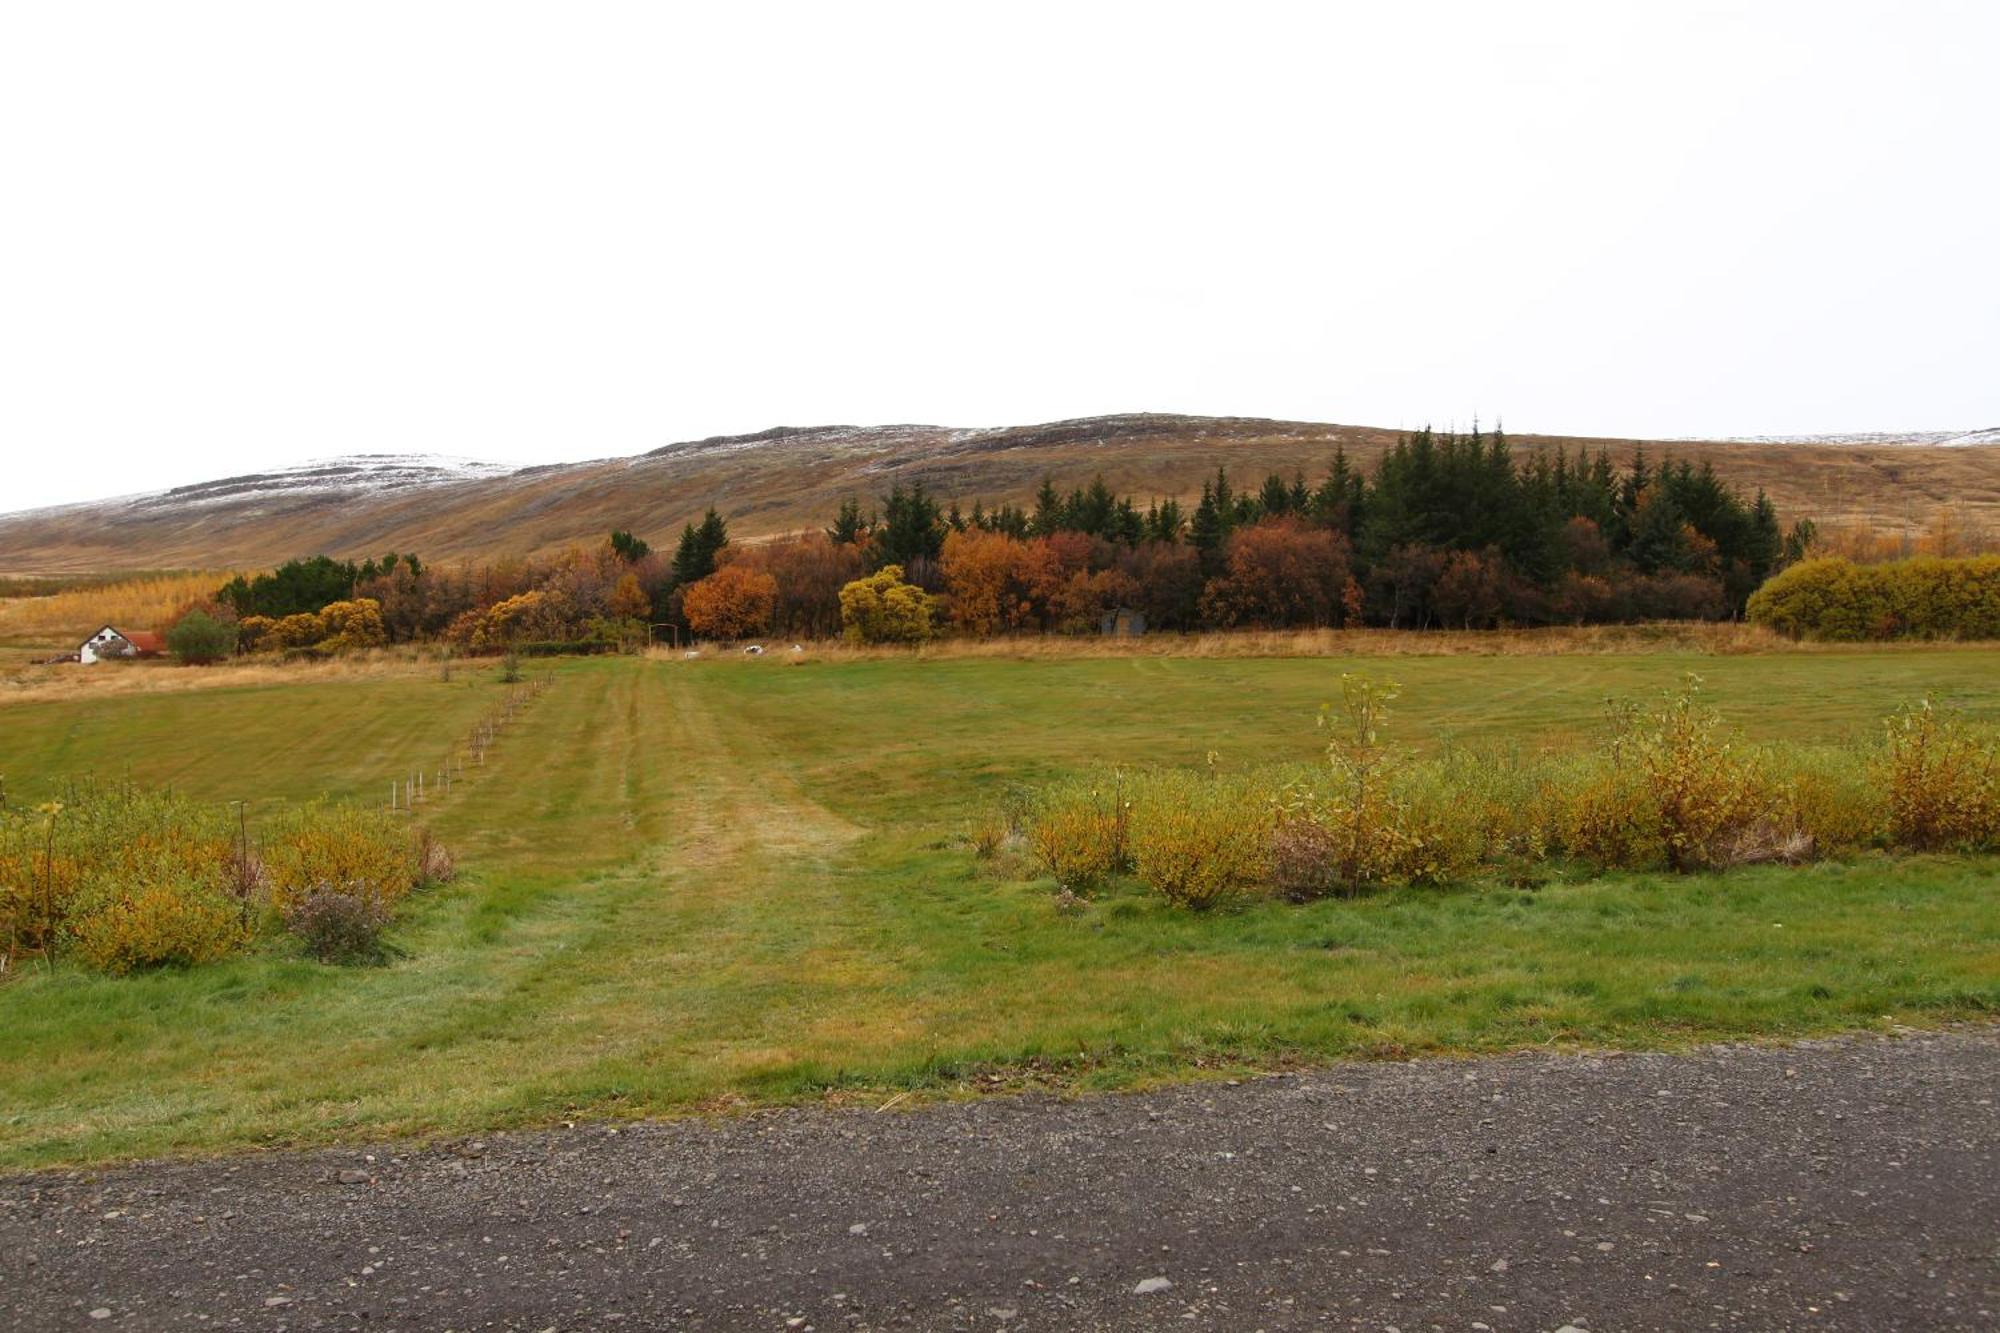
[1948, 438]
[354, 474]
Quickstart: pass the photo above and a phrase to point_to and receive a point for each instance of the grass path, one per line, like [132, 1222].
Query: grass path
[694, 886]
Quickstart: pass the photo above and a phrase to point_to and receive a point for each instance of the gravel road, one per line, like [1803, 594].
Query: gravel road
[1851, 1184]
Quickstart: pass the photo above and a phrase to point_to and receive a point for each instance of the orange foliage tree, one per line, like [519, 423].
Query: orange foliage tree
[992, 581]
[734, 602]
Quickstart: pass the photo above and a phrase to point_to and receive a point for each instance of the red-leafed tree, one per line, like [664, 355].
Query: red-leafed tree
[1280, 574]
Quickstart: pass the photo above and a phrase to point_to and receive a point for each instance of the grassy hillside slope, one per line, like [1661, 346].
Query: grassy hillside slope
[787, 479]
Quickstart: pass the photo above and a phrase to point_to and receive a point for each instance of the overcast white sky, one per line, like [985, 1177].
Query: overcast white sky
[237, 235]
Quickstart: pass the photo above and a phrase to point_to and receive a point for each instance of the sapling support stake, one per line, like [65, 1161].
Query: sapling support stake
[243, 873]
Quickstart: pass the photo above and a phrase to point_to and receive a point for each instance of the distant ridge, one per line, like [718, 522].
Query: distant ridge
[790, 477]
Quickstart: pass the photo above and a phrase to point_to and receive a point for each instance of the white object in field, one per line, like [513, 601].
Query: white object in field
[755, 650]
[692, 652]
[797, 649]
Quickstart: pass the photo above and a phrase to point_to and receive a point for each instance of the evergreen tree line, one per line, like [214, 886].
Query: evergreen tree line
[1450, 529]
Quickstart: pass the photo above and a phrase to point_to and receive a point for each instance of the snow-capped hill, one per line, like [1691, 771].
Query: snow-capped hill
[353, 475]
[1953, 439]
[791, 479]
[843, 439]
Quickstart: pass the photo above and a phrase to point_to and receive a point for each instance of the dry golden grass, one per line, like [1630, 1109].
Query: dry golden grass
[1557, 641]
[144, 603]
[72, 681]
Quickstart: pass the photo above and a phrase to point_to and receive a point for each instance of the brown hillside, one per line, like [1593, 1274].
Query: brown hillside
[787, 479]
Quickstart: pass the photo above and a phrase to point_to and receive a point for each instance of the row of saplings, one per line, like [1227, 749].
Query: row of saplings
[1672, 789]
[122, 878]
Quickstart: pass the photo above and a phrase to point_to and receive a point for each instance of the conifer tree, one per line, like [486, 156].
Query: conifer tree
[695, 555]
[1209, 532]
[912, 528]
[1048, 518]
[849, 528]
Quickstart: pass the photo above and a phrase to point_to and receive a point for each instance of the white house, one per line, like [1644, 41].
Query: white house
[112, 643]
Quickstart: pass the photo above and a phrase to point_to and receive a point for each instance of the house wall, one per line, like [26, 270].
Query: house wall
[105, 643]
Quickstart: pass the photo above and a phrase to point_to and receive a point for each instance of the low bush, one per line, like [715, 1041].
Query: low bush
[159, 925]
[1599, 813]
[367, 851]
[1705, 798]
[1826, 797]
[1942, 781]
[338, 927]
[1304, 859]
[987, 834]
[123, 878]
[1200, 841]
[1077, 832]
[199, 639]
[433, 860]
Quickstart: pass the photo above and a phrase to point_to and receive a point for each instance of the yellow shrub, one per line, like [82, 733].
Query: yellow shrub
[1199, 843]
[297, 631]
[1702, 790]
[253, 633]
[1942, 782]
[1438, 835]
[161, 925]
[344, 848]
[883, 609]
[1828, 798]
[1077, 834]
[347, 626]
[1602, 815]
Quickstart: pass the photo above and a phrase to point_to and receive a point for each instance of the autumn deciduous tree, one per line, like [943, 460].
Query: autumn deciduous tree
[734, 602]
[1166, 582]
[536, 615]
[1078, 604]
[1583, 598]
[1468, 591]
[883, 609]
[992, 580]
[811, 569]
[628, 600]
[1278, 574]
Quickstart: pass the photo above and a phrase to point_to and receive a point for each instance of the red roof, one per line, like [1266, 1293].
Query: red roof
[145, 640]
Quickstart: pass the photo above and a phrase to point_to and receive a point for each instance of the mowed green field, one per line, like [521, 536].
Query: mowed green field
[694, 885]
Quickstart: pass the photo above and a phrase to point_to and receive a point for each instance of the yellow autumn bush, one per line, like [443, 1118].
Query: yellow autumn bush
[122, 878]
[161, 925]
[1200, 841]
[1076, 832]
[364, 852]
[1670, 788]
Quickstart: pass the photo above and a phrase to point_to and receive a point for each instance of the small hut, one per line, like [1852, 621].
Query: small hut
[1123, 623]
